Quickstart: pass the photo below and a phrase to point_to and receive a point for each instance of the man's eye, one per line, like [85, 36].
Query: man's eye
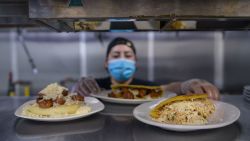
[129, 55]
[115, 56]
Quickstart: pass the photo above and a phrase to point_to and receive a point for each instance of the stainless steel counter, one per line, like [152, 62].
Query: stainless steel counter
[114, 123]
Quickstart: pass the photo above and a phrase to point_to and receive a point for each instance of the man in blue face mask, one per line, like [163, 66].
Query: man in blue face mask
[120, 63]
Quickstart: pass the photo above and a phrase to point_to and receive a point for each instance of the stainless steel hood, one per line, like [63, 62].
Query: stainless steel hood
[129, 15]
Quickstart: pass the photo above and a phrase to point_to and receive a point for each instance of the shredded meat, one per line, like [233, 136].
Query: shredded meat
[43, 103]
[77, 98]
[60, 100]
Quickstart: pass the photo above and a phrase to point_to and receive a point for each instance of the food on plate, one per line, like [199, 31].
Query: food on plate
[56, 101]
[135, 92]
[185, 109]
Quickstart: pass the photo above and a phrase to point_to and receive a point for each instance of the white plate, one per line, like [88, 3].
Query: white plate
[95, 104]
[225, 114]
[104, 96]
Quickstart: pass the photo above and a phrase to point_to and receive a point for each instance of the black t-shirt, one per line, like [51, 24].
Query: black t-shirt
[105, 83]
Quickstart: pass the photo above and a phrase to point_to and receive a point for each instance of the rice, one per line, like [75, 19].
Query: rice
[191, 112]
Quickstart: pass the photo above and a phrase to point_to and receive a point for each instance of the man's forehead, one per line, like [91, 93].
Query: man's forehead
[119, 48]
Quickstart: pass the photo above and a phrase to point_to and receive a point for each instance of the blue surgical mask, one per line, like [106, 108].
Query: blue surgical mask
[121, 69]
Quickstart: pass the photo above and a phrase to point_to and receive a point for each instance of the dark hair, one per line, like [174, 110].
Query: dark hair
[120, 41]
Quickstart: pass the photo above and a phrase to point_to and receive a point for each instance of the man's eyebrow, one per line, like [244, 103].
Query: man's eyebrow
[115, 52]
[128, 51]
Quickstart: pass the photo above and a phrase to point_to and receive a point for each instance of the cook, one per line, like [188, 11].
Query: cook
[121, 64]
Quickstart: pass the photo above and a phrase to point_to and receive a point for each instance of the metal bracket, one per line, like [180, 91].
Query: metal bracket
[76, 3]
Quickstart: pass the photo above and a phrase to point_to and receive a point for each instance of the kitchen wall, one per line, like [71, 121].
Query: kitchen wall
[5, 60]
[237, 60]
[56, 56]
[219, 57]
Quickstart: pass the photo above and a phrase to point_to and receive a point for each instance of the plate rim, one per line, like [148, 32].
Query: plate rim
[183, 128]
[59, 119]
[127, 101]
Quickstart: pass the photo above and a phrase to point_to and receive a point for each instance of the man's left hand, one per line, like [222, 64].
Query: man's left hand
[196, 86]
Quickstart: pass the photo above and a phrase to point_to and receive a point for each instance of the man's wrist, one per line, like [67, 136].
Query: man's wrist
[173, 87]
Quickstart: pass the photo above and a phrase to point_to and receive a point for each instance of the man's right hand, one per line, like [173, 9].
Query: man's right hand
[86, 86]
